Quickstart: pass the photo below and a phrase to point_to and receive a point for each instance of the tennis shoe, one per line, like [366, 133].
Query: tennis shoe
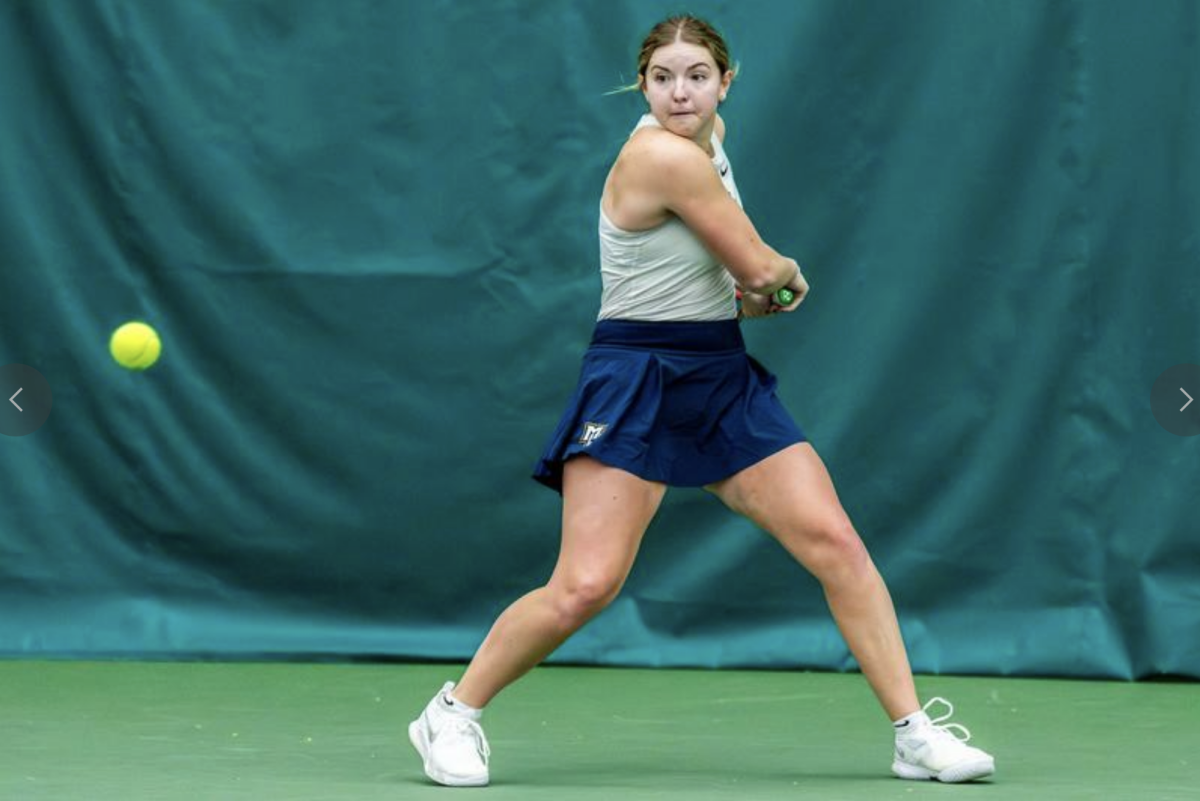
[451, 743]
[935, 749]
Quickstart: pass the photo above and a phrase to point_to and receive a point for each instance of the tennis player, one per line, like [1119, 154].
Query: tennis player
[669, 397]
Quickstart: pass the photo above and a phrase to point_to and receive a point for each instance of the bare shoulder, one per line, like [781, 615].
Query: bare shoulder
[719, 127]
[652, 170]
[658, 153]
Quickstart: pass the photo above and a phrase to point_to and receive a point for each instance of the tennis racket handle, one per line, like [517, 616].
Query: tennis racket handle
[784, 296]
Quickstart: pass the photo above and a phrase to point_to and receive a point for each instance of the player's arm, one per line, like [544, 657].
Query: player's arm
[682, 176]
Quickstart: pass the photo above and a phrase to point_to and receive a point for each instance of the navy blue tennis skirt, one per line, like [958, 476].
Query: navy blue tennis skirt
[677, 402]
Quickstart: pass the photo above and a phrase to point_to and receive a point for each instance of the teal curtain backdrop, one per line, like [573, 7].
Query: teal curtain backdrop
[366, 233]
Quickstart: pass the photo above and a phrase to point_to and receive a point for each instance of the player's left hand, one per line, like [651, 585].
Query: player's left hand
[757, 305]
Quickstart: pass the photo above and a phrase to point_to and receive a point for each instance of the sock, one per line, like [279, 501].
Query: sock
[452, 704]
[911, 723]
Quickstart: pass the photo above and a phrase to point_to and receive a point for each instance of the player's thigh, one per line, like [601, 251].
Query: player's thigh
[606, 511]
[791, 496]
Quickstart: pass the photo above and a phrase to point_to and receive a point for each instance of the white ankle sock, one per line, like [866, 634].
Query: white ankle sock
[911, 723]
[458, 707]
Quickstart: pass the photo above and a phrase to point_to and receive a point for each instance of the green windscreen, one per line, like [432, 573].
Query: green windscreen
[366, 232]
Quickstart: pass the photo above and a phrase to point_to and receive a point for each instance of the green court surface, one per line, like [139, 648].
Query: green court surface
[130, 730]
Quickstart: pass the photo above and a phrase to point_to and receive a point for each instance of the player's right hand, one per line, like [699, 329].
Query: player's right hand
[799, 287]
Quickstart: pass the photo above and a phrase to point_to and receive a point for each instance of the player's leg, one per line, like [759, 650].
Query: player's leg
[791, 496]
[605, 513]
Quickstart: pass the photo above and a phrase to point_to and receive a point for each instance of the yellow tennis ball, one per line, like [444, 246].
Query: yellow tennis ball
[135, 346]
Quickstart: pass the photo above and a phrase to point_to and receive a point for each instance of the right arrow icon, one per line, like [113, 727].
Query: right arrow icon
[1172, 412]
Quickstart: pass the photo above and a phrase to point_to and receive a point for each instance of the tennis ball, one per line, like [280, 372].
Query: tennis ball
[135, 346]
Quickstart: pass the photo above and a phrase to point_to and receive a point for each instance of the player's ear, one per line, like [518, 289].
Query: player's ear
[726, 82]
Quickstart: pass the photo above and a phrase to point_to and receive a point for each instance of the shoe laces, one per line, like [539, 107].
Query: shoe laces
[468, 728]
[957, 731]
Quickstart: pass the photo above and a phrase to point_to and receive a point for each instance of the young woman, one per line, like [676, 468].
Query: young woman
[669, 397]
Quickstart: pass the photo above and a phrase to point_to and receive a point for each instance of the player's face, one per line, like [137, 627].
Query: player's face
[683, 87]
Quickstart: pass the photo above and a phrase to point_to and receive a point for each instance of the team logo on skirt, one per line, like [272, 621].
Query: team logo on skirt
[591, 433]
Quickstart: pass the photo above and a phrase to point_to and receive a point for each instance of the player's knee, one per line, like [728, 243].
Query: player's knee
[584, 596]
[838, 552]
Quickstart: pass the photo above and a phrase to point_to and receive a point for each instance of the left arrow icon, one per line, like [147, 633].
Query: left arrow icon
[26, 410]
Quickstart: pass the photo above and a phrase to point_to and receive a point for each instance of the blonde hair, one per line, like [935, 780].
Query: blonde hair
[682, 28]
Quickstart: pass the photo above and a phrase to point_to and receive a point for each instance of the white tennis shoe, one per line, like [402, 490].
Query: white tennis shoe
[934, 749]
[451, 743]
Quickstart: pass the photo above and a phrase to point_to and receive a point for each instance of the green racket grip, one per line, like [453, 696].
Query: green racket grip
[784, 296]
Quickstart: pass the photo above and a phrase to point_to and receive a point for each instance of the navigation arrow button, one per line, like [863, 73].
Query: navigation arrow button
[1182, 421]
[29, 406]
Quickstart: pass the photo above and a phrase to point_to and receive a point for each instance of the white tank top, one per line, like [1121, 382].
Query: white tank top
[665, 272]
